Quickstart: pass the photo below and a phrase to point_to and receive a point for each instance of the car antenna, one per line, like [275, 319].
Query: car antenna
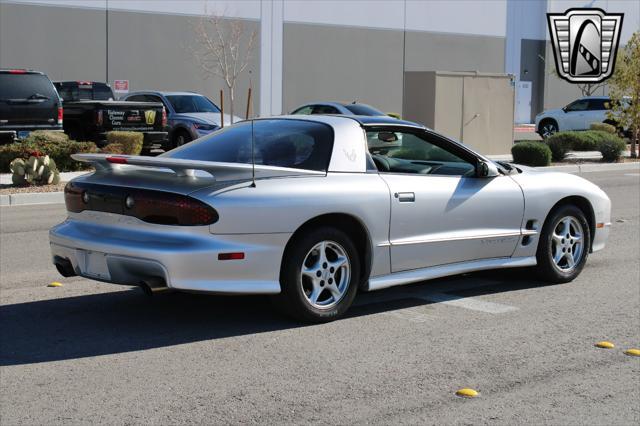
[253, 157]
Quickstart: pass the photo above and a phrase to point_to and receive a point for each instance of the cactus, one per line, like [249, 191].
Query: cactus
[34, 171]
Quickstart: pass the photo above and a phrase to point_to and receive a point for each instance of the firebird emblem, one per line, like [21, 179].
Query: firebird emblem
[351, 156]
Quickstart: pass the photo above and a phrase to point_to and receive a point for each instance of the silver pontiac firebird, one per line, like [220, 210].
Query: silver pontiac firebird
[313, 209]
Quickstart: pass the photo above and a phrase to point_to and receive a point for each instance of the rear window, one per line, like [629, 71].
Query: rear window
[361, 109]
[285, 143]
[24, 86]
[84, 92]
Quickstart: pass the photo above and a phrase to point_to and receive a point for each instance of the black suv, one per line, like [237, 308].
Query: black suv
[28, 101]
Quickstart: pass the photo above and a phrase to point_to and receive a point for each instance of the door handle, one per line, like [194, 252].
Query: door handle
[405, 197]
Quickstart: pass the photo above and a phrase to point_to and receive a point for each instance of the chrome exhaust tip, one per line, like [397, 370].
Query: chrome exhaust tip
[64, 266]
[153, 286]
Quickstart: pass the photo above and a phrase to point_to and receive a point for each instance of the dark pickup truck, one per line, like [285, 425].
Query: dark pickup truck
[90, 112]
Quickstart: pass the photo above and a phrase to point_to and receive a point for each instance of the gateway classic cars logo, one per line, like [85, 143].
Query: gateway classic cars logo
[585, 42]
[150, 116]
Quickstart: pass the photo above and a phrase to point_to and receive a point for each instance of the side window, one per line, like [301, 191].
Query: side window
[152, 98]
[414, 153]
[136, 98]
[307, 110]
[580, 105]
[598, 104]
[325, 109]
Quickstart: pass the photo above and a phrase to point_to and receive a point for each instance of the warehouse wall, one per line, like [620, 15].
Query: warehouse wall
[66, 43]
[343, 64]
[151, 50]
[427, 51]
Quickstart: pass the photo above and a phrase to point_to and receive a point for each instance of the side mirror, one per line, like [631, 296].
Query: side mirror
[486, 170]
[564, 109]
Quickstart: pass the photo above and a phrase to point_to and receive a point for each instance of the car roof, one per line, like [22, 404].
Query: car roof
[93, 83]
[595, 97]
[19, 71]
[363, 120]
[162, 93]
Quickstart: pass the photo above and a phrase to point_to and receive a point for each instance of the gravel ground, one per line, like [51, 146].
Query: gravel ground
[10, 189]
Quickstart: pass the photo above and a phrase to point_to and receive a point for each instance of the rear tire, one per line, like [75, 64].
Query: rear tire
[180, 138]
[564, 245]
[319, 276]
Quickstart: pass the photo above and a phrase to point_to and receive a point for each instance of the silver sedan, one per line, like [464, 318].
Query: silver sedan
[313, 209]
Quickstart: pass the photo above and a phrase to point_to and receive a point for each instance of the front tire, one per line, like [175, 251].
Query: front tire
[548, 128]
[319, 276]
[564, 245]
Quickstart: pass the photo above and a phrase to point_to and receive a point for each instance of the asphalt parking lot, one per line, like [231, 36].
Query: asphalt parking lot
[96, 353]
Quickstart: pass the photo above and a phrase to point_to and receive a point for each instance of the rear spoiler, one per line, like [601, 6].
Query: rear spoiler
[187, 168]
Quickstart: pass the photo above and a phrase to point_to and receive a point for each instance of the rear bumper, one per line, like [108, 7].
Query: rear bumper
[121, 250]
[8, 136]
[156, 140]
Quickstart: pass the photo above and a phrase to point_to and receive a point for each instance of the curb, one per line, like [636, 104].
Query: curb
[588, 168]
[32, 198]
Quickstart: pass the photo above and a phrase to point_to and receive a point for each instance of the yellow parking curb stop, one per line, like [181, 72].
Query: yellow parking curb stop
[605, 345]
[467, 393]
[55, 284]
[632, 352]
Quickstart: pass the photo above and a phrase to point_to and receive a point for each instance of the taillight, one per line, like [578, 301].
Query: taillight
[99, 117]
[164, 117]
[73, 198]
[117, 160]
[162, 208]
[169, 209]
[17, 71]
[60, 115]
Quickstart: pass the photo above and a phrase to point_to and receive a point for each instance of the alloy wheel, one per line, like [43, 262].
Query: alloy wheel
[325, 274]
[548, 130]
[567, 244]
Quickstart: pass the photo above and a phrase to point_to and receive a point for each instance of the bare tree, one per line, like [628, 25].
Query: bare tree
[223, 49]
[587, 89]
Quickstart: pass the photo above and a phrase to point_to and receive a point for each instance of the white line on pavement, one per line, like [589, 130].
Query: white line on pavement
[409, 315]
[468, 303]
[632, 174]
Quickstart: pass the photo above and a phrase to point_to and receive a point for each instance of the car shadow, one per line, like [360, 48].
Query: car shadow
[124, 321]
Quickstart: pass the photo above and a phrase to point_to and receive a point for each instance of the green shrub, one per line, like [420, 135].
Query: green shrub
[559, 144]
[59, 150]
[112, 148]
[604, 127]
[131, 142]
[590, 140]
[611, 148]
[41, 136]
[531, 154]
[563, 142]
